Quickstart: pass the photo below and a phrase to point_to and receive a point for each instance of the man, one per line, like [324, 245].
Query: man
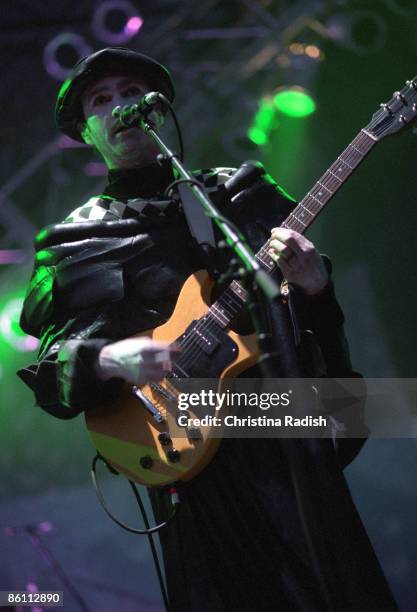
[114, 267]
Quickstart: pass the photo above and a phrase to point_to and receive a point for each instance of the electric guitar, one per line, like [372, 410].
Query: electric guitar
[138, 435]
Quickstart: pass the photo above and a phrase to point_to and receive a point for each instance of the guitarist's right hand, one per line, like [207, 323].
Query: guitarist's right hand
[136, 360]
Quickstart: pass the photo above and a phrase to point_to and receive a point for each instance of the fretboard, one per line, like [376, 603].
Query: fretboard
[232, 300]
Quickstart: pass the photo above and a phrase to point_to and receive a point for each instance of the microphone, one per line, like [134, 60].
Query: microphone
[131, 113]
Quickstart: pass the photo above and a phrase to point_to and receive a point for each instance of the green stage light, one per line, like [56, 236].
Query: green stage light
[264, 121]
[294, 102]
[257, 136]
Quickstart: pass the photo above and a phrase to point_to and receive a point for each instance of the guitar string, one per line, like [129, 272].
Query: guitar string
[329, 180]
[207, 324]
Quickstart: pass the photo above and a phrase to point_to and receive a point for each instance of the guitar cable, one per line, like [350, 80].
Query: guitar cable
[148, 531]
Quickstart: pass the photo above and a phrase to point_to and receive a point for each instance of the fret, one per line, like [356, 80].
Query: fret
[305, 208]
[298, 227]
[319, 194]
[341, 169]
[301, 210]
[297, 219]
[329, 182]
[335, 176]
[229, 305]
[239, 291]
[222, 308]
[265, 257]
[352, 154]
[232, 300]
[266, 263]
[364, 142]
[219, 315]
[345, 162]
[356, 149]
[324, 187]
[310, 195]
[213, 318]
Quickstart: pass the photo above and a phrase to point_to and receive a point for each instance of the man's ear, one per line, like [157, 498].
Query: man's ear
[85, 134]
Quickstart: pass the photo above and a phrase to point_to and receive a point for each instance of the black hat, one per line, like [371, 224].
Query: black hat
[68, 110]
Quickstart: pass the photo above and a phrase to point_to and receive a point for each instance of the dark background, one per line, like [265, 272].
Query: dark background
[224, 58]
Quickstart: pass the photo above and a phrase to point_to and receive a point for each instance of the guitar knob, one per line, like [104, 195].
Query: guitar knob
[146, 462]
[194, 433]
[164, 438]
[173, 455]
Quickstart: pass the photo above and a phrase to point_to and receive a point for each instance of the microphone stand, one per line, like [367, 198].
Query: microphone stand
[234, 241]
[256, 280]
[253, 277]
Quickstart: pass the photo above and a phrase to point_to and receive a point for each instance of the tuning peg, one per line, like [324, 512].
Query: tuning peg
[403, 119]
[412, 84]
[386, 108]
[399, 96]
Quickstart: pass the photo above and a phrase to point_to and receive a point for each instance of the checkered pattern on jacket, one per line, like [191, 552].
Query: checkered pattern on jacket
[104, 208]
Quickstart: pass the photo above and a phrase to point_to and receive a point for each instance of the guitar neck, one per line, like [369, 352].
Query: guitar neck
[234, 298]
[332, 180]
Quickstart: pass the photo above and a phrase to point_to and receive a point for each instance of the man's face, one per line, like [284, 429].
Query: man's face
[120, 147]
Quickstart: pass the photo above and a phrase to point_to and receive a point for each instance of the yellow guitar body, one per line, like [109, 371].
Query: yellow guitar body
[126, 434]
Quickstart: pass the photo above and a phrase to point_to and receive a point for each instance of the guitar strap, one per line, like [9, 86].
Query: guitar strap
[201, 227]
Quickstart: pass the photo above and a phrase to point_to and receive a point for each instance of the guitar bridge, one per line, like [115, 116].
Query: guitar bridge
[155, 413]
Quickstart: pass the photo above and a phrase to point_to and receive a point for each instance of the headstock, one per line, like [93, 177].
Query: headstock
[397, 113]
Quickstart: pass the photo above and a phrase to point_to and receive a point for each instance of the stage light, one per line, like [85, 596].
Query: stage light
[264, 121]
[294, 102]
[301, 55]
[133, 25]
[11, 330]
[12, 256]
[62, 52]
[257, 136]
[313, 51]
[362, 32]
[116, 22]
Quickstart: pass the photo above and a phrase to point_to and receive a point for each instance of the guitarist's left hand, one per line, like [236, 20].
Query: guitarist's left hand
[300, 262]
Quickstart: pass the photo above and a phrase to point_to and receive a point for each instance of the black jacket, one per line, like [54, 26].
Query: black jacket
[237, 541]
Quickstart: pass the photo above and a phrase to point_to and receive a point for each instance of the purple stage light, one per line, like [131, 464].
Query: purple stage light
[133, 25]
[45, 527]
[12, 256]
[76, 47]
[116, 21]
[30, 344]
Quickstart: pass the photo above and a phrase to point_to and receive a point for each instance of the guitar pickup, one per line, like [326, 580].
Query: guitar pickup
[205, 339]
